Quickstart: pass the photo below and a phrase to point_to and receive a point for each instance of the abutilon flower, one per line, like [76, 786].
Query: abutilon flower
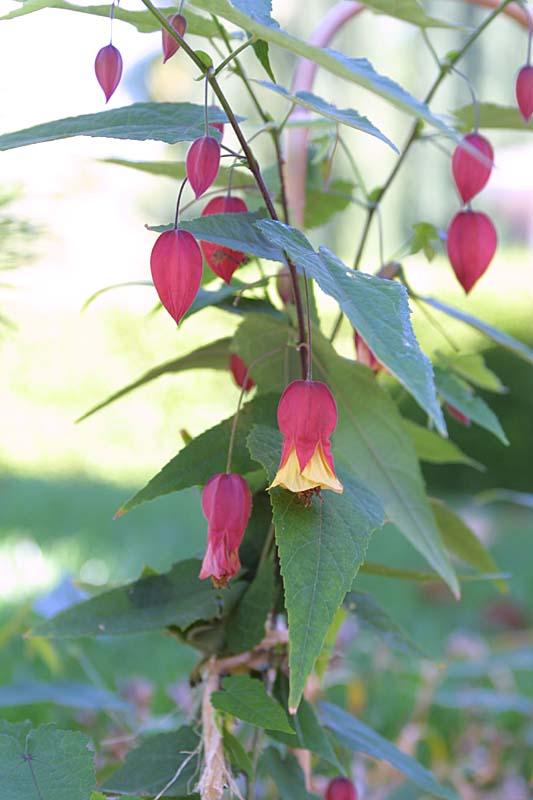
[470, 173]
[524, 91]
[108, 69]
[202, 163]
[472, 241]
[222, 260]
[364, 354]
[170, 45]
[284, 286]
[458, 415]
[239, 371]
[227, 505]
[341, 789]
[176, 264]
[307, 416]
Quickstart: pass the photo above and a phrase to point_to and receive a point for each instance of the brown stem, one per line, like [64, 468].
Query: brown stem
[253, 167]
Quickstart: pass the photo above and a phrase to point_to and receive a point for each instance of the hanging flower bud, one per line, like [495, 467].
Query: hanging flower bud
[472, 242]
[108, 69]
[222, 260]
[458, 415]
[239, 371]
[219, 126]
[307, 416]
[364, 354]
[227, 505]
[341, 789]
[176, 264]
[202, 163]
[470, 173]
[170, 45]
[284, 286]
[524, 91]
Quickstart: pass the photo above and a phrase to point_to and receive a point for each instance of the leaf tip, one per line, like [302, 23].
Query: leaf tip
[120, 513]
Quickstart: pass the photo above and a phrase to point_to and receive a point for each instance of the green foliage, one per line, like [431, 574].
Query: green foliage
[246, 627]
[260, 48]
[431, 447]
[320, 548]
[62, 693]
[154, 601]
[164, 759]
[246, 698]
[286, 774]
[44, 764]
[163, 122]
[407, 10]
[459, 394]
[490, 115]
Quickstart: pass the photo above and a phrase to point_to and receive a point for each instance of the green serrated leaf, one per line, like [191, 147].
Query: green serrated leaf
[355, 70]
[246, 698]
[490, 116]
[309, 735]
[207, 454]
[321, 548]
[372, 617]
[246, 627]
[344, 116]
[260, 48]
[460, 395]
[237, 755]
[463, 542]
[355, 735]
[50, 764]
[162, 122]
[214, 355]
[499, 337]
[176, 597]
[408, 11]
[433, 449]
[425, 237]
[376, 307]
[323, 203]
[166, 758]
[472, 367]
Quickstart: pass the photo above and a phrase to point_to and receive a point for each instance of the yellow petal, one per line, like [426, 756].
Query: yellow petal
[317, 474]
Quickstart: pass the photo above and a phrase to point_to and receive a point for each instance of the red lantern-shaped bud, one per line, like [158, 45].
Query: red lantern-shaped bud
[239, 370]
[472, 242]
[284, 286]
[364, 354]
[108, 69]
[469, 172]
[307, 416]
[227, 505]
[176, 264]
[524, 91]
[202, 163]
[341, 789]
[170, 45]
[222, 260]
[458, 415]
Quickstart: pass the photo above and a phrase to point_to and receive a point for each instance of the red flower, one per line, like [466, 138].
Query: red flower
[458, 415]
[472, 241]
[222, 260]
[170, 45]
[202, 163]
[176, 264]
[364, 354]
[341, 789]
[470, 173]
[239, 371]
[307, 416]
[227, 505]
[524, 91]
[108, 69]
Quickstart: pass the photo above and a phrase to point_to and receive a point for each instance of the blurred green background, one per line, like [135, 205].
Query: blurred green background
[76, 224]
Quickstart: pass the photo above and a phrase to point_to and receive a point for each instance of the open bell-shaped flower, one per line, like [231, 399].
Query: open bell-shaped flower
[341, 789]
[202, 163]
[108, 69]
[176, 264]
[471, 242]
[307, 416]
[223, 260]
[227, 505]
[524, 91]
[470, 173]
[239, 370]
[170, 45]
